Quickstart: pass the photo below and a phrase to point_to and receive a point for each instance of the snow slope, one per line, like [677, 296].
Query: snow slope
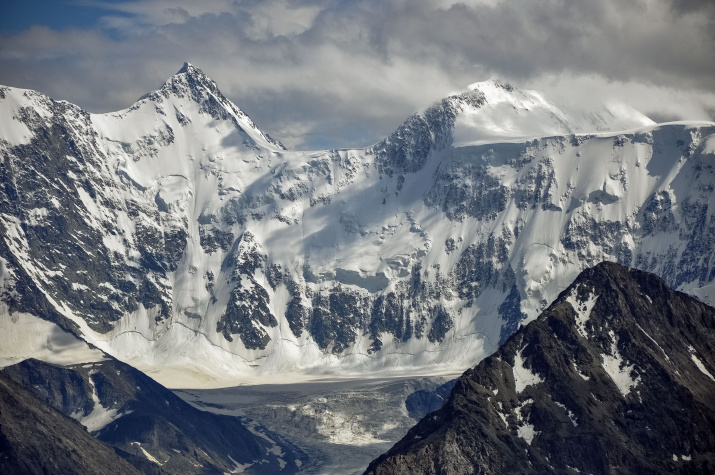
[516, 115]
[177, 236]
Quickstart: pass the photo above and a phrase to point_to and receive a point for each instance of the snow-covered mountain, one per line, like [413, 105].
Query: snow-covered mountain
[180, 238]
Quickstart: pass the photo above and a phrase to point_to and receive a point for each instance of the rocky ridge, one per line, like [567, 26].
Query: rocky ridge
[37, 439]
[616, 376]
[148, 425]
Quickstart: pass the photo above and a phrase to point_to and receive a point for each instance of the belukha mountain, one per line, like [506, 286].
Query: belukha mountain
[177, 236]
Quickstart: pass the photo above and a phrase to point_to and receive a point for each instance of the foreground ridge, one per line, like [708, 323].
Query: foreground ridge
[145, 423]
[616, 376]
[37, 439]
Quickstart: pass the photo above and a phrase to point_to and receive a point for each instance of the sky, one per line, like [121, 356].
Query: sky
[345, 73]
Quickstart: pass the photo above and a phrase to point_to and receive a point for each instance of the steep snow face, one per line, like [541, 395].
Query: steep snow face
[177, 236]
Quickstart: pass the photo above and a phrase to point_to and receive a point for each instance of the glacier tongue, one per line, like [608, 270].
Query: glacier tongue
[179, 237]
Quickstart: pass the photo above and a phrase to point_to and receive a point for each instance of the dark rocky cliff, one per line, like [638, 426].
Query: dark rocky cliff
[37, 439]
[616, 376]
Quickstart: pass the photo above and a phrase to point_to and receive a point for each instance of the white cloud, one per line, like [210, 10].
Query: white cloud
[346, 73]
[661, 103]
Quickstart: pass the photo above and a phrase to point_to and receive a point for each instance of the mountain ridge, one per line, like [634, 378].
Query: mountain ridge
[35, 438]
[170, 237]
[611, 378]
[151, 427]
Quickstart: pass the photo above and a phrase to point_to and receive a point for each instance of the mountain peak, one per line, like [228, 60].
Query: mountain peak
[511, 113]
[191, 82]
[491, 83]
[494, 111]
[189, 70]
[186, 68]
[193, 77]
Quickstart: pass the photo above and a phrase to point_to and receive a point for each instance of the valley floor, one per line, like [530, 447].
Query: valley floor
[342, 425]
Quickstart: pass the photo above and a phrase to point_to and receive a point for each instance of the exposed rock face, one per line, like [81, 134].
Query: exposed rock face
[178, 220]
[616, 376]
[409, 147]
[37, 439]
[150, 426]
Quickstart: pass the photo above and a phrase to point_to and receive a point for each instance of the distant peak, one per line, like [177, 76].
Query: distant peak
[191, 83]
[185, 67]
[192, 77]
[491, 82]
[190, 69]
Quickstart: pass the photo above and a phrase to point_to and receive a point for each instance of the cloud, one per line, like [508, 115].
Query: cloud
[660, 103]
[339, 73]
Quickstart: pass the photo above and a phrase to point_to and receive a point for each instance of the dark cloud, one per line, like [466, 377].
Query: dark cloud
[689, 6]
[345, 73]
